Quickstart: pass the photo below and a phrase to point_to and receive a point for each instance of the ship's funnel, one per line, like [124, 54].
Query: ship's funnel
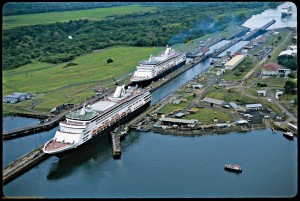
[120, 91]
[168, 50]
[82, 112]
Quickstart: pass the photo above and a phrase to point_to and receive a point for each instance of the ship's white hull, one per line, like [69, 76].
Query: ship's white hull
[157, 67]
[285, 13]
[286, 10]
[99, 118]
[150, 79]
[71, 151]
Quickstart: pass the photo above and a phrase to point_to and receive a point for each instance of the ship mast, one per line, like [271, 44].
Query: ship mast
[82, 112]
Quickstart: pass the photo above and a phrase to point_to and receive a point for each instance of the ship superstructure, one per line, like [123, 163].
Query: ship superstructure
[85, 124]
[286, 10]
[159, 66]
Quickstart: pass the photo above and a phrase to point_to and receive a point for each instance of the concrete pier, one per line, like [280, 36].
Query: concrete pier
[116, 145]
[225, 47]
[194, 53]
[23, 164]
[48, 124]
[255, 32]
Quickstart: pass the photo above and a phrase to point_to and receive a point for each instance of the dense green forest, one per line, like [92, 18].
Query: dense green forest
[171, 23]
[288, 61]
[19, 8]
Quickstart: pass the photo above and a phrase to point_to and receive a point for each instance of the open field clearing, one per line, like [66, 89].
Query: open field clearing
[10, 22]
[55, 84]
[91, 67]
[207, 115]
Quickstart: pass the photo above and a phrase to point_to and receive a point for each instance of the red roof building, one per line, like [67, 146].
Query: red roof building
[270, 69]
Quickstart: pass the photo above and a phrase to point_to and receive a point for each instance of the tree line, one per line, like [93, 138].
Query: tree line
[20, 8]
[175, 23]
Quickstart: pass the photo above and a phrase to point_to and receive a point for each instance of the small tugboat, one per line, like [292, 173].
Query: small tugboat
[233, 168]
[288, 135]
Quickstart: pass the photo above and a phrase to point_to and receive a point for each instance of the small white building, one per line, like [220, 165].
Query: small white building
[279, 93]
[262, 93]
[288, 52]
[232, 63]
[256, 106]
[284, 71]
[197, 86]
[16, 97]
[234, 106]
[220, 72]
[242, 122]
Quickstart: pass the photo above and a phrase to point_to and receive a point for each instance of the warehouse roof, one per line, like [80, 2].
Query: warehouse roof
[235, 60]
[214, 101]
[253, 105]
[288, 52]
[271, 66]
[241, 122]
[184, 121]
[180, 114]
[233, 104]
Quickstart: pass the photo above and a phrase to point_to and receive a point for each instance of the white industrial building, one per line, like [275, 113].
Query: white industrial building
[232, 63]
[212, 102]
[16, 97]
[262, 93]
[256, 106]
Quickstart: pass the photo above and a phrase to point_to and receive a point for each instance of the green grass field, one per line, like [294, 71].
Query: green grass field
[274, 82]
[75, 95]
[232, 96]
[171, 107]
[207, 115]
[43, 78]
[10, 22]
[91, 67]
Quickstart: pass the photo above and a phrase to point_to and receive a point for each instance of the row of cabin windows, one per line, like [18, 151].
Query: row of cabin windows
[116, 109]
[85, 138]
[170, 59]
[163, 63]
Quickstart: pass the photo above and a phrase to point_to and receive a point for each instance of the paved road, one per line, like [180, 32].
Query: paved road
[262, 61]
[291, 117]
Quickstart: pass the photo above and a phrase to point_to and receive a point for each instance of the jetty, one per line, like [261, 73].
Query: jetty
[247, 37]
[116, 144]
[23, 164]
[194, 54]
[258, 31]
[47, 124]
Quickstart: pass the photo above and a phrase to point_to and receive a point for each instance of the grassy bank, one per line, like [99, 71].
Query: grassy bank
[41, 77]
[10, 22]
[48, 81]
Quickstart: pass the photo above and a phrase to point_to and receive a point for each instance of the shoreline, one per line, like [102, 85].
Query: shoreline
[199, 132]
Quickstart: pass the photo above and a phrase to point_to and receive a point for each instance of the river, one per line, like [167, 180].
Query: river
[159, 166]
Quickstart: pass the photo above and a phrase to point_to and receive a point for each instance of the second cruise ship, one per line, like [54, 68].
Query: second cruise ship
[157, 67]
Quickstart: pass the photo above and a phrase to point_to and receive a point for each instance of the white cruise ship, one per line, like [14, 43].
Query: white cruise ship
[159, 66]
[90, 122]
[286, 10]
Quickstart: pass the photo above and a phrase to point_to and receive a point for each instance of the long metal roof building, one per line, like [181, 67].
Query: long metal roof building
[214, 101]
[183, 121]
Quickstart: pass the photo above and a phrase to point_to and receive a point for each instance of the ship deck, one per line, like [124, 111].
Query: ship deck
[55, 145]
